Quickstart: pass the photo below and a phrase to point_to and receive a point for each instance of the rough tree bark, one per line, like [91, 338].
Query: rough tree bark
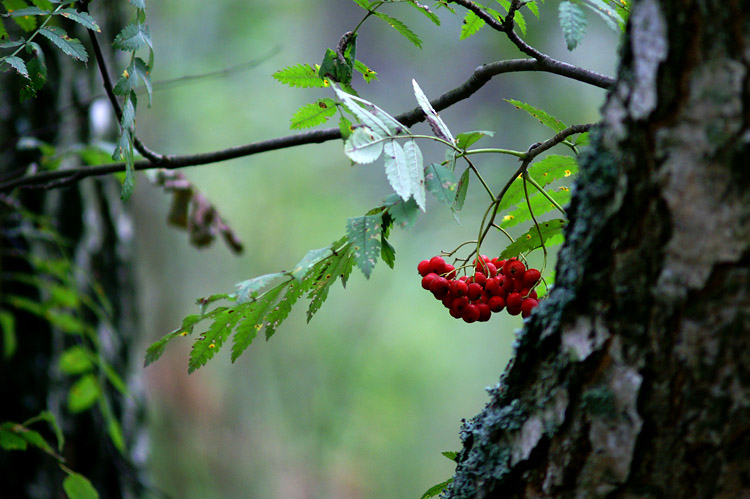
[633, 379]
[96, 226]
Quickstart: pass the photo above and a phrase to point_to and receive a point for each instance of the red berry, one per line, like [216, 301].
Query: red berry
[427, 280]
[498, 263]
[492, 285]
[437, 265]
[448, 300]
[492, 269]
[513, 300]
[470, 314]
[460, 304]
[507, 284]
[424, 267]
[455, 313]
[525, 293]
[474, 291]
[514, 311]
[440, 287]
[497, 303]
[514, 268]
[527, 306]
[531, 277]
[459, 288]
[484, 312]
[480, 278]
[450, 270]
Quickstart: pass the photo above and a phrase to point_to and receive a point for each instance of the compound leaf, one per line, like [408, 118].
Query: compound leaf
[69, 46]
[133, 37]
[323, 276]
[471, 24]
[313, 114]
[300, 76]
[248, 290]
[400, 27]
[82, 18]
[210, 342]
[252, 319]
[573, 23]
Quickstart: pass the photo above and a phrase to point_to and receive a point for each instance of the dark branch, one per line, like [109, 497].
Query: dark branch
[480, 76]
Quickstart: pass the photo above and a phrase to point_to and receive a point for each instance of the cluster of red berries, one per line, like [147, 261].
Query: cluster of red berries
[495, 285]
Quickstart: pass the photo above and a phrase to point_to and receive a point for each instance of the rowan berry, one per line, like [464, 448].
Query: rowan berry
[459, 288]
[480, 278]
[424, 267]
[527, 306]
[450, 271]
[437, 265]
[439, 287]
[484, 312]
[513, 300]
[474, 291]
[497, 303]
[514, 268]
[470, 313]
[530, 278]
[427, 280]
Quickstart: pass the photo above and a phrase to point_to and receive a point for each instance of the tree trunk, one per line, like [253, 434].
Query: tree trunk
[633, 379]
[95, 224]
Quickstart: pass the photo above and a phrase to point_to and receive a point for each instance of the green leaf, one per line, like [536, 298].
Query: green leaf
[582, 139]
[276, 316]
[78, 487]
[436, 489]
[611, 17]
[82, 18]
[472, 23]
[530, 240]
[387, 252]
[114, 430]
[252, 319]
[400, 27]
[553, 167]
[114, 379]
[313, 114]
[439, 128]
[367, 73]
[464, 140]
[397, 170]
[300, 76]
[84, 393]
[340, 265]
[452, 455]
[17, 64]
[10, 440]
[415, 165]
[371, 115]
[463, 187]
[539, 204]
[210, 342]
[544, 118]
[363, 145]
[364, 234]
[132, 37]
[345, 127]
[37, 71]
[425, 10]
[28, 11]
[128, 81]
[332, 67]
[65, 321]
[441, 182]
[26, 23]
[248, 290]
[403, 213]
[156, 349]
[518, 18]
[69, 46]
[573, 23]
[311, 258]
[144, 74]
[10, 342]
[76, 360]
[533, 7]
[49, 417]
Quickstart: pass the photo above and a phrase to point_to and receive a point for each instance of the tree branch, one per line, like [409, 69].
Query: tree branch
[480, 76]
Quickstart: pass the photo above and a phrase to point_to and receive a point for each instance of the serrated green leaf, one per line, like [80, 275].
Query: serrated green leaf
[441, 182]
[610, 16]
[37, 73]
[341, 266]
[26, 23]
[345, 127]
[133, 37]
[76, 360]
[82, 18]
[400, 27]
[403, 213]
[252, 319]
[10, 44]
[70, 46]
[276, 316]
[436, 489]
[553, 167]
[415, 165]
[544, 118]
[530, 240]
[210, 342]
[371, 115]
[472, 23]
[573, 23]
[84, 393]
[461, 190]
[363, 3]
[300, 76]
[17, 64]
[364, 234]
[309, 260]
[387, 252]
[396, 169]
[533, 7]
[363, 145]
[28, 11]
[128, 81]
[439, 128]
[465, 139]
[425, 10]
[143, 71]
[156, 349]
[78, 487]
[313, 114]
[518, 18]
[8, 325]
[367, 73]
[539, 205]
[248, 290]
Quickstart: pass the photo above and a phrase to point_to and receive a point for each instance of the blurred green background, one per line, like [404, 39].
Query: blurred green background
[360, 402]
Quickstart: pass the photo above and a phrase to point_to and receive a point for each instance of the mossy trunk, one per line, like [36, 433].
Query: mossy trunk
[633, 379]
[94, 226]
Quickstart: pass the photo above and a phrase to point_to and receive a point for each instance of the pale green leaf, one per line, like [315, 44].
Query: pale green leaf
[403, 213]
[441, 182]
[17, 64]
[363, 145]
[397, 170]
[364, 234]
[27, 11]
[465, 139]
[248, 290]
[610, 16]
[573, 23]
[371, 115]
[311, 258]
[133, 37]
[415, 166]
[439, 128]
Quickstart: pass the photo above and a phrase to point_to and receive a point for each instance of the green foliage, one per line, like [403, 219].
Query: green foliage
[400, 27]
[461, 190]
[471, 24]
[544, 118]
[77, 486]
[70, 46]
[551, 233]
[441, 182]
[313, 114]
[301, 76]
[435, 490]
[465, 139]
[364, 234]
[573, 23]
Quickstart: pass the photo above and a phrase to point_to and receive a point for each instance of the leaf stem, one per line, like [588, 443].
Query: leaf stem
[533, 182]
[518, 154]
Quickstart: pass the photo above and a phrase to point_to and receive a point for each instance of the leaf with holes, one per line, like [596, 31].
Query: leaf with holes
[364, 234]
